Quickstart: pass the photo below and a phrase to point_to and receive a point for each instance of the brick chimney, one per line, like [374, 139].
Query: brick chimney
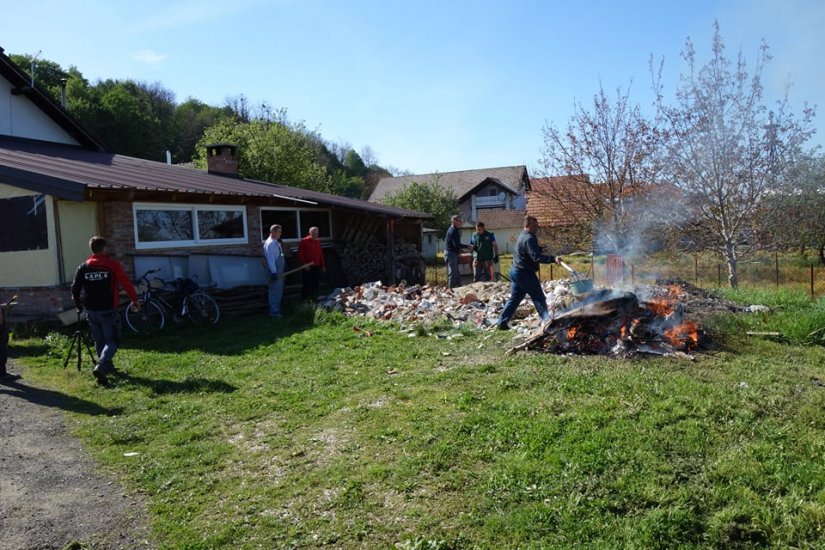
[222, 159]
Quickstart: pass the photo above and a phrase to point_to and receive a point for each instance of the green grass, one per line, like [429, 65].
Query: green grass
[307, 433]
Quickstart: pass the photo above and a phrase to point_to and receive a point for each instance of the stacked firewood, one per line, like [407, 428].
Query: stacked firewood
[362, 262]
[241, 300]
[368, 262]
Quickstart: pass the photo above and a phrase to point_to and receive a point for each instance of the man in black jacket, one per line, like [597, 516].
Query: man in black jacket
[527, 256]
[100, 279]
[452, 249]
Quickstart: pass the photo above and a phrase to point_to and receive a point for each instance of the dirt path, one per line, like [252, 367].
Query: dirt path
[52, 495]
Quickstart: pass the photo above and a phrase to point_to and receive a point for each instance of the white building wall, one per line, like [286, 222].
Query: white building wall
[19, 117]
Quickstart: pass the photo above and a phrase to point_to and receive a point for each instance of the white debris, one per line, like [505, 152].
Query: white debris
[476, 303]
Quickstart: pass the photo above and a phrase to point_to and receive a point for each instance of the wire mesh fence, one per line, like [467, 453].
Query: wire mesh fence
[769, 271]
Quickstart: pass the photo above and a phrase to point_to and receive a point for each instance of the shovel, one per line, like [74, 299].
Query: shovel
[581, 284]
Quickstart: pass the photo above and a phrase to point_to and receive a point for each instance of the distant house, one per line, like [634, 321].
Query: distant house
[59, 186]
[495, 194]
[561, 206]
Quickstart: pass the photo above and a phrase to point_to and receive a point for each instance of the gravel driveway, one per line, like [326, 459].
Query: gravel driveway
[52, 494]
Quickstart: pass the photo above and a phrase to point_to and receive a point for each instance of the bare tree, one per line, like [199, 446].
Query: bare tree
[600, 162]
[727, 152]
[368, 156]
[339, 149]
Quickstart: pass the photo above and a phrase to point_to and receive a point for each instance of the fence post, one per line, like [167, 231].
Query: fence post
[551, 273]
[696, 269]
[812, 281]
[719, 275]
[777, 269]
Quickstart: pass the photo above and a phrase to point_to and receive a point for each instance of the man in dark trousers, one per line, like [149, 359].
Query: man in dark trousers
[485, 253]
[452, 249]
[527, 256]
[96, 289]
[310, 252]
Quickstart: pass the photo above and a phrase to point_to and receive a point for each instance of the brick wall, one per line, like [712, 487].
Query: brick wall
[36, 302]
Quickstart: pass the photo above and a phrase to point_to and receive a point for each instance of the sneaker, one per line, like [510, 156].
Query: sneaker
[100, 375]
[503, 326]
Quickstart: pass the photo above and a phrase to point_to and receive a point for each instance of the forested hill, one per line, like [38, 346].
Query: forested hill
[144, 120]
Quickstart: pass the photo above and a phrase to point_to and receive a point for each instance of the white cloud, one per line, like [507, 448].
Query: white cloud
[150, 57]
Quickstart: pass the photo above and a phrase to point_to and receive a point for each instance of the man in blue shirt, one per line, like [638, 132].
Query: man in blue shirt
[275, 262]
[527, 256]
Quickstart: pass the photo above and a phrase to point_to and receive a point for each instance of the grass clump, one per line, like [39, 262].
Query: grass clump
[793, 314]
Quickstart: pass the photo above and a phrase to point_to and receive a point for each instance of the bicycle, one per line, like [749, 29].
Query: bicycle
[195, 304]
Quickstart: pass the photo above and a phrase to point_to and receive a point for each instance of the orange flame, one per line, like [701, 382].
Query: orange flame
[571, 332]
[666, 304]
[661, 307]
[685, 335]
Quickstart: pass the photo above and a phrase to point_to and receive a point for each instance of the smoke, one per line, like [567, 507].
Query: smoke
[646, 224]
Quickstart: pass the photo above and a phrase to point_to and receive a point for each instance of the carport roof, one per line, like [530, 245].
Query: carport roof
[68, 172]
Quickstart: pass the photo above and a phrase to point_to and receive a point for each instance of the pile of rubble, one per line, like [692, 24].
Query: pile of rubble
[477, 303]
[652, 319]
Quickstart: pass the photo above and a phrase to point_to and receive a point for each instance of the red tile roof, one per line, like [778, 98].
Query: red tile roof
[561, 200]
[496, 219]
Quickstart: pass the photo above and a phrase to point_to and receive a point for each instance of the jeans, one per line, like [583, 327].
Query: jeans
[524, 282]
[453, 277]
[105, 328]
[276, 294]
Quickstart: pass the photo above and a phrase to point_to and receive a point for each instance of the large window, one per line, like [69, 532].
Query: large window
[23, 224]
[162, 226]
[296, 223]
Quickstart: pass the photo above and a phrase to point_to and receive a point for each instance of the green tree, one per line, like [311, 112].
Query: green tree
[727, 152]
[132, 118]
[427, 197]
[339, 183]
[355, 166]
[801, 213]
[270, 151]
[47, 74]
[190, 120]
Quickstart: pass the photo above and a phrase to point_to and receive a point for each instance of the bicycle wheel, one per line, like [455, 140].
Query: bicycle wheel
[201, 308]
[148, 320]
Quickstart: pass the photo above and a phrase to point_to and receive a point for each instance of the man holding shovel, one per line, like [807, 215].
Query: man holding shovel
[527, 256]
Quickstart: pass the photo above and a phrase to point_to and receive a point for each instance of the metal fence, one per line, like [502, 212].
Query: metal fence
[765, 272]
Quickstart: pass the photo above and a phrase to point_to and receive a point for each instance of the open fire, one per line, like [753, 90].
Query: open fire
[608, 322]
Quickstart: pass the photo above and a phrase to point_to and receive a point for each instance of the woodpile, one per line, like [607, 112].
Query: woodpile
[368, 262]
[241, 300]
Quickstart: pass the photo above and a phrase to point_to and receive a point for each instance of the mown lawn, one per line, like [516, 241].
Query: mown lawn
[308, 433]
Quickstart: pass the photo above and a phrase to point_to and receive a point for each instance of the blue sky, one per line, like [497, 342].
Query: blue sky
[429, 85]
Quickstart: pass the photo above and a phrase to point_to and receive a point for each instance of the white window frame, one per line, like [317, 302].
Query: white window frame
[193, 208]
[298, 211]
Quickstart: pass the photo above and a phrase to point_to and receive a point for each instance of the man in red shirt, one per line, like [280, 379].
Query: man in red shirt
[100, 279]
[309, 251]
